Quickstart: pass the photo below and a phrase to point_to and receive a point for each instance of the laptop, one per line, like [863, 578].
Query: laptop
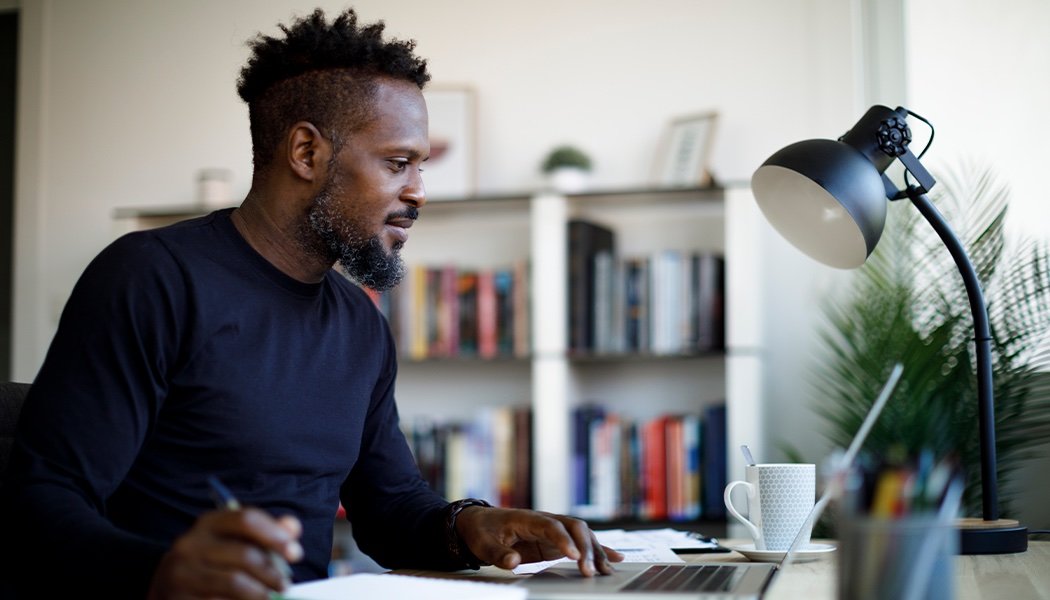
[715, 580]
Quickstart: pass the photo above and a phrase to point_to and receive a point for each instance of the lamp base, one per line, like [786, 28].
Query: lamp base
[1003, 536]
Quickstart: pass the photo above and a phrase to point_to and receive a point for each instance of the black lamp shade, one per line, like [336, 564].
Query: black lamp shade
[826, 198]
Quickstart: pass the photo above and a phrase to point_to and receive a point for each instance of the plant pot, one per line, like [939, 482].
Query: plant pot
[569, 180]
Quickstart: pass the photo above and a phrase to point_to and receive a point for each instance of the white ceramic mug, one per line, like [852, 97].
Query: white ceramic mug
[779, 498]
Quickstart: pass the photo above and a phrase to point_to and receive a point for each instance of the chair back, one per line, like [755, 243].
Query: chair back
[12, 395]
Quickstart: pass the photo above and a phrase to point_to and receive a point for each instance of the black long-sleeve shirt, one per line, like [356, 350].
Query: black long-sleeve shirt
[183, 353]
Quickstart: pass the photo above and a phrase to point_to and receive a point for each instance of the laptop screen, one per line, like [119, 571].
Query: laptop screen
[839, 470]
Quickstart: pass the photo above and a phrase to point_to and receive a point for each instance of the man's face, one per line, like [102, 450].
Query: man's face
[373, 191]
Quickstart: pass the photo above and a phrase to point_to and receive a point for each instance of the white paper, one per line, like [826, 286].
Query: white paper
[636, 546]
[672, 538]
[396, 587]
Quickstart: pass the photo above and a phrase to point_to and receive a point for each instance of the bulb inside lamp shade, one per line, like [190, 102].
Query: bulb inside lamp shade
[825, 198]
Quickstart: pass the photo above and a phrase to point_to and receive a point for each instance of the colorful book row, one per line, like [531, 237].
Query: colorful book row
[671, 467]
[666, 302]
[487, 457]
[450, 311]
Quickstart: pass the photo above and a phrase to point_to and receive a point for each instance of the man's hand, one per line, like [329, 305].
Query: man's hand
[228, 554]
[507, 537]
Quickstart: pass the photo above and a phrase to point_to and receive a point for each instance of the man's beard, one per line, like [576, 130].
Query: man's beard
[329, 234]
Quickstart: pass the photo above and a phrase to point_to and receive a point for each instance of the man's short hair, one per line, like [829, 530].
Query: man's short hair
[321, 73]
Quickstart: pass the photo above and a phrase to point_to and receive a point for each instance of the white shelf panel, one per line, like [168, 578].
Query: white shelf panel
[453, 390]
[645, 388]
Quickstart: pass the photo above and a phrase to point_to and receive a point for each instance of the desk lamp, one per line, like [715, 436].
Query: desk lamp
[828, 198]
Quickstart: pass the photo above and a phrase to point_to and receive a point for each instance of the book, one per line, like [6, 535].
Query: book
[583, 417]
[665, 314]
[417, 321]
[522, 494]
[488, 344]
[522, 309]
[448, 311]
[636, 304]
[586, 240]
[503, 282]
[675, 467]
[708, 317]
[694, 474]
[714, 461]
[467, 291]
[654, 465]
[601, 313]
[503, 454]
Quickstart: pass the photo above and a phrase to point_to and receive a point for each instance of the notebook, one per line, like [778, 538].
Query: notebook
[563, 581]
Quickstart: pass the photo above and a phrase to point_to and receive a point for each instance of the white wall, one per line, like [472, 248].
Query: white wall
[126, 100]
[122, 101]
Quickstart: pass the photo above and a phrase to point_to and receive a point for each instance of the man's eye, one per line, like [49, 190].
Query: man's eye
[398, 165]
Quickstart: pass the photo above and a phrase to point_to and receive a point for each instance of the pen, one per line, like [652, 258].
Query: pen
[224, 498]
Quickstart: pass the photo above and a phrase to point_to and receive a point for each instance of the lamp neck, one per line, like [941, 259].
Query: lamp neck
[983, 349]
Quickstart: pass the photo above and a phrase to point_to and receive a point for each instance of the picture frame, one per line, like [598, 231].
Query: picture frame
[450, 171]
[683, 158]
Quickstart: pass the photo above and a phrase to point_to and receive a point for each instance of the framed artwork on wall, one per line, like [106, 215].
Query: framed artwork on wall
[683, 157]
[450, 172]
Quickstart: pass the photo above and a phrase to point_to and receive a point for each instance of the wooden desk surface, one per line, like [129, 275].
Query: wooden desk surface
[1023, 576]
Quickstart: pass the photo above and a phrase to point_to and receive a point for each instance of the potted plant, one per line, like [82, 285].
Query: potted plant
[567, 169]
[907, 303]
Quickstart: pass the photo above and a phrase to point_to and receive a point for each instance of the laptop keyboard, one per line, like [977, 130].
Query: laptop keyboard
[682, 578]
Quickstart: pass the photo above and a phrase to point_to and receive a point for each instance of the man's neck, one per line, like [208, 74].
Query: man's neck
[273, 236]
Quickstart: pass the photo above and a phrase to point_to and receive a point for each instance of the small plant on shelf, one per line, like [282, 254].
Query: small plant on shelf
[566, 157]
[567, 168]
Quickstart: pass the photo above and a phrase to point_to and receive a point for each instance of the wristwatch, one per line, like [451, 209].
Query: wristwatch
[455, 545]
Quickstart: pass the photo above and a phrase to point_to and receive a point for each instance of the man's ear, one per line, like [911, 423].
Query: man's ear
[308, 152]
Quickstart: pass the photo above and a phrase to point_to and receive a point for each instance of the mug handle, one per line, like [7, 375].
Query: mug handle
[727, 496]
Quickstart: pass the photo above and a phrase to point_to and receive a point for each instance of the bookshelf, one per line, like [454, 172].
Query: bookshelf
[496, 231]
[553, 380]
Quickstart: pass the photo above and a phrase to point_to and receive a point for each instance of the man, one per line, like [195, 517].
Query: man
[227, 346]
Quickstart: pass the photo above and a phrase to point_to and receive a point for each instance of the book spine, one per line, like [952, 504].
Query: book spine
[503, 454]
[522, 458]
[504, 285]
[419, 313]
[674, 452]
[655, 450]
[522, 310]
[586, 240]
[467, 291]
[448, 311]
[693, 473]
[714, 461]
[487, 342]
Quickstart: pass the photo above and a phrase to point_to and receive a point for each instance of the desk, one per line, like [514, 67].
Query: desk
[993, 577]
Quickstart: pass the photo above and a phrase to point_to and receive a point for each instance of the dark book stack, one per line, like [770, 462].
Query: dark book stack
[714, 461]
[707, 329]
[587, 241]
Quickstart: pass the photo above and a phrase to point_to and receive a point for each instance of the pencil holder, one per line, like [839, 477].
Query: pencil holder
[906, 558]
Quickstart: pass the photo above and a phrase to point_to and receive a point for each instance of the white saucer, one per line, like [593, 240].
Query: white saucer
[810, 552]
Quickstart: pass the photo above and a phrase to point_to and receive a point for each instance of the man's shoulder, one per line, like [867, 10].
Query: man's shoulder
[199, 233]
